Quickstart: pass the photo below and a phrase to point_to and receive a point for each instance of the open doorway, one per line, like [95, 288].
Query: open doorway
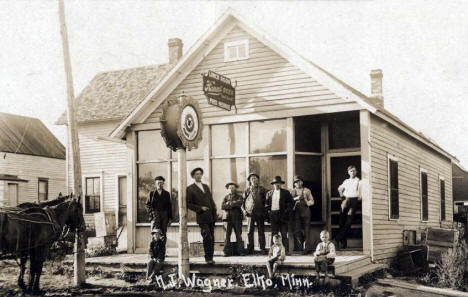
[337, 174]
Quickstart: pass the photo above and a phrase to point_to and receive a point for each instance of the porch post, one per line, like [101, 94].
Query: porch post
[366, 184]
[291, 168]
[132, 191]
[183, 259]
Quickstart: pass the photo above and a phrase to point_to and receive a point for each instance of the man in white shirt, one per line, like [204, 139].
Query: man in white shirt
[350, 192]
[279, 204]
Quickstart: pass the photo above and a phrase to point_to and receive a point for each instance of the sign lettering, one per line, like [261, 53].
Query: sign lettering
[219, 90]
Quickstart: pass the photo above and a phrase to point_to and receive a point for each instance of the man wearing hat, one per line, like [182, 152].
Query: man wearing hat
[279, 204]
[254, 208]
[200, 200]
[157, 253]
[159, 208]
[303, 199]
[232, 204]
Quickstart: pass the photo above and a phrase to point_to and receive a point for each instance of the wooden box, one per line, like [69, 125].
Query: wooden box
[105, 223]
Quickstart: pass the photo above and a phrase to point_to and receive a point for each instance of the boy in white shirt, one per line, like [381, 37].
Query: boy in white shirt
[324, 254]
[350, 192]
[276, 255]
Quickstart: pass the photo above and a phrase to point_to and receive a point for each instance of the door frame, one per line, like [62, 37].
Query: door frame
[117, 194]
[329, 155]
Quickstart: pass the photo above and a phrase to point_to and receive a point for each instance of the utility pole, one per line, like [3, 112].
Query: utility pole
[79, 255]
[183, 257]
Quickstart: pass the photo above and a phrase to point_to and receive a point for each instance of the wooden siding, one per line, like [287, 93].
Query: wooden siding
[101, 157]
[265, 82]
[388, 234]
[31, 168]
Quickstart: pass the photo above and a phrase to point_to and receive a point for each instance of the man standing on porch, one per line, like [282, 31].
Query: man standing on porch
[350, 192]
[279, 203]
[255, 211]
[303, 199]
[160, 210]
[200, 200]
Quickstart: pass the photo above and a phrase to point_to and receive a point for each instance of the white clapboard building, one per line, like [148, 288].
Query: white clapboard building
[290, 117]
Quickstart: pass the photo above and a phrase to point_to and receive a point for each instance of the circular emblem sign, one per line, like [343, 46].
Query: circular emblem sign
[189, 122]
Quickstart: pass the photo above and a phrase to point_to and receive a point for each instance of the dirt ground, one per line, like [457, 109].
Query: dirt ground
[57, 280]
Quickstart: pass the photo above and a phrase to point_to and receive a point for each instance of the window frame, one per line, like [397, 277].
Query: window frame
[46, 181]
[236, 44]
[393, 158]
[442, 178]
[421, 171]
[101, 194]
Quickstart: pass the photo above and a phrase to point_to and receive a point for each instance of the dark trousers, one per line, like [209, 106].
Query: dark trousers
[348, 210]
[154, 267]
[260, 221]
[207, 233]
[161, 222]
[278, 226]
[237, 226]
[301, 230]
[322, 266]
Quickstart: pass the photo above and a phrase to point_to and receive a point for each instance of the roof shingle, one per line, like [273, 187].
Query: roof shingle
[113, 95]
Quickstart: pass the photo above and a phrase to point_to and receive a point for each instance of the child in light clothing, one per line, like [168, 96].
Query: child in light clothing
[324, 254]
[276, 255]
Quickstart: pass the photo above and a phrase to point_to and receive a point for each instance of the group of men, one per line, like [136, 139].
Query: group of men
[275, 206]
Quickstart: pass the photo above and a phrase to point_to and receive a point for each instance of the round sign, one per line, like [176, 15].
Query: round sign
[189, 122]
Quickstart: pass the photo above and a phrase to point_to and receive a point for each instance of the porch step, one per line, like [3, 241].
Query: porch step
[347, 266]
[355, 274]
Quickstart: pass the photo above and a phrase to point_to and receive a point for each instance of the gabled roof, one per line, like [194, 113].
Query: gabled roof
[113, 95]
[25, 135]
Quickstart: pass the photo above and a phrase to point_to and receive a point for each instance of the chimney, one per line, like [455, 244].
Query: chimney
[376, 87]
[175, 50]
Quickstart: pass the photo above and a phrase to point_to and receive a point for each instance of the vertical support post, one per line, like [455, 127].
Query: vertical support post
[132, 191]
[290, 165]
[183, 253]
[366, 184]
[79, 276]
[326, 196]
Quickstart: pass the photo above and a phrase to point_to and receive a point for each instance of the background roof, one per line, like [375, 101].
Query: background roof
[25, 135]
[113, 95]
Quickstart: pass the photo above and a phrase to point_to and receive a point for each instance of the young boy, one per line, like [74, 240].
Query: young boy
[156, 252]
[324, 254]
[276, 255]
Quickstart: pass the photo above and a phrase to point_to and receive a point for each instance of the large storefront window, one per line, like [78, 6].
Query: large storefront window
[307, 134]
[268, 136]
[151, 146]
[228, 170]
[229, 139]
[146, 174]
[268, 167]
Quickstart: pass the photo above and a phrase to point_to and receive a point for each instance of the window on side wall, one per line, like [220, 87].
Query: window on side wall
[93, 195]
[43, 189]
[424, 196]
[442, 198]
[394, 199]
[236, 50]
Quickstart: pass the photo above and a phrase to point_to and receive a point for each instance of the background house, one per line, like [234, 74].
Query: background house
[32, 161]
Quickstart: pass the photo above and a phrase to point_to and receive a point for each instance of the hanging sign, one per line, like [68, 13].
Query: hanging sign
[219, 90]
[181, 125]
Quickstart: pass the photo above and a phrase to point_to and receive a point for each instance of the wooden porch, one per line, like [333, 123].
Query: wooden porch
[349, 265]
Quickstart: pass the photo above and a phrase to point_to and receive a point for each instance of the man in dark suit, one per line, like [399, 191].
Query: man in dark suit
[254, 208]
[279, 204]
[160, 209]
[200, 200]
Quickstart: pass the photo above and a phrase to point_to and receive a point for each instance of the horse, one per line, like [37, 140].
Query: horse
[32, 231]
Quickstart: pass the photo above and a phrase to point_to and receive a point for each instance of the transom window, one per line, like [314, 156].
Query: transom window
[236, 50]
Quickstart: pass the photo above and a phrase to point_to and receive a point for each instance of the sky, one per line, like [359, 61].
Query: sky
[421, 46]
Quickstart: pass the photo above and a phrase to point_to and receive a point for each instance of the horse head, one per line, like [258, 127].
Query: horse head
[73, 215]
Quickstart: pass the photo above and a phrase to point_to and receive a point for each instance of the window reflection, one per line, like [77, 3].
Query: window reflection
[146, 174]
[229, 139]
[268, 136]
[268, 167]
[227, 170]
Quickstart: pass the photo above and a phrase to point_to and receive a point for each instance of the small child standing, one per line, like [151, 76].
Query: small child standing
[156, 253]
[276, 255]
[324, 254]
